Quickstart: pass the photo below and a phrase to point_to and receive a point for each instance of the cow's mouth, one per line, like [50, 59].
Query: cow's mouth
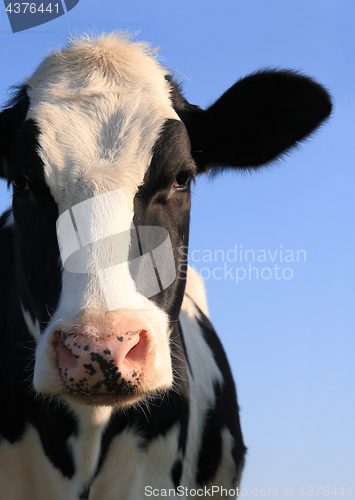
[103, 399]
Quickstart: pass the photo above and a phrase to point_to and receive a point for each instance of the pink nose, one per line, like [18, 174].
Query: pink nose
[102, 357]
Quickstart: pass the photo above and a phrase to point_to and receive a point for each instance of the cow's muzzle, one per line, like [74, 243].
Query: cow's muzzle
[107, 358]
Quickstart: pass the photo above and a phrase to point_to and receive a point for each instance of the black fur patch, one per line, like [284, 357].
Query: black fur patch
[258, 119]
[225, 413]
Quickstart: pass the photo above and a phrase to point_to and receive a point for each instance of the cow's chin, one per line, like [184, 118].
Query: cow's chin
[117, 400]
[113, 400]
[126, 396]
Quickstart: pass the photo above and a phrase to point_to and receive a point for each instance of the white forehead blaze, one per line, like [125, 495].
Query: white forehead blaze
[100, 104]
[94, 240]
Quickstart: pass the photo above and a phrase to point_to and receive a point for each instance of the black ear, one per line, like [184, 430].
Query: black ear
[258, 119]
[11, 120]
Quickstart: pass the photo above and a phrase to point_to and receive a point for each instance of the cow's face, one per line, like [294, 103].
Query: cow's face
[101, 148]
[110, 163]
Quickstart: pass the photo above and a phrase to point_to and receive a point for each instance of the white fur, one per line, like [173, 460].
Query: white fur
[97, 219]
[33, 326]
[100, 105]
[86, 446]
[128, 469]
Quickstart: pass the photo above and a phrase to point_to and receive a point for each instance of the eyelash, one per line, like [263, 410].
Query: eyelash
[182, 179]
[20, 184]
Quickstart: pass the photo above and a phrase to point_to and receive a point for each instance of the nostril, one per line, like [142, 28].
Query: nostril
[65, 353]
[69, 344]
[64, 341]
[102, 359]
[137, 352]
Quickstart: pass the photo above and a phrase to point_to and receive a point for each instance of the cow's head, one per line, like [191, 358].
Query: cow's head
[101, 147]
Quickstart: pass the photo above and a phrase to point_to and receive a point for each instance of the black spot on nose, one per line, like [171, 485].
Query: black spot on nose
[90, 370]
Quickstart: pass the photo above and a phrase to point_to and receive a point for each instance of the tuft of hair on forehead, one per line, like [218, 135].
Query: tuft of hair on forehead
[97, 64]
[99, 104]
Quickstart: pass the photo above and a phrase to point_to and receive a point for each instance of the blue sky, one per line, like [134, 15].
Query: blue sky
[290, 342]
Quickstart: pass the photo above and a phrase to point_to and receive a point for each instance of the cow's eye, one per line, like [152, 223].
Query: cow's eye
[182, 179]
[20, 183]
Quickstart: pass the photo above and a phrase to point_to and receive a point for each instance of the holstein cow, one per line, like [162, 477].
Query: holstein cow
[112, 388]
